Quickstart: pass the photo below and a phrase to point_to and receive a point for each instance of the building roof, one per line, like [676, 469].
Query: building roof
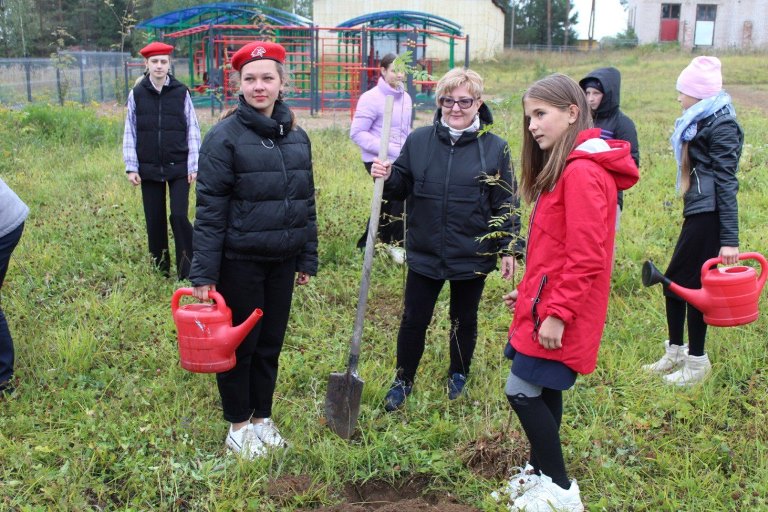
[222, 13]
[403, 19]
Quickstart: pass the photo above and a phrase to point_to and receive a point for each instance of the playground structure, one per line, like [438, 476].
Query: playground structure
[330, 67]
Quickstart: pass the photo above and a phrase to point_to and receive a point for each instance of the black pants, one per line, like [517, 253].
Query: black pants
[7, 245]
[153, 197]
[247, 389]
[420, 297]
[391, 220]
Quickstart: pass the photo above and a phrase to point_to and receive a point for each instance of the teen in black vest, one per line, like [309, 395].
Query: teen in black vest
[161, 144]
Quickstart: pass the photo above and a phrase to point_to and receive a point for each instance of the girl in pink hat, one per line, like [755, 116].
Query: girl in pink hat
[707, 143]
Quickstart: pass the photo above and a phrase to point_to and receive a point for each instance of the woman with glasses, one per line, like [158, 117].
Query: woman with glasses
[458, 179]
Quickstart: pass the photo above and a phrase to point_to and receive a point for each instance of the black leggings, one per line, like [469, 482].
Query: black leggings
[391, 221]
[153, 197]
[697, 329]
[420, 297]
[540, 417]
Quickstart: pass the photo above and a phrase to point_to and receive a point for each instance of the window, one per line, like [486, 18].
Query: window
[670, 11]
[706, 12]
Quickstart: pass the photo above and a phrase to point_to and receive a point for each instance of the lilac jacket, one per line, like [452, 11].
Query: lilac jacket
[369, 117]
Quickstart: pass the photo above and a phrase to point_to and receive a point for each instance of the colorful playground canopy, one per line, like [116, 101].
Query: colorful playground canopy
[404, 19]
[221, 13]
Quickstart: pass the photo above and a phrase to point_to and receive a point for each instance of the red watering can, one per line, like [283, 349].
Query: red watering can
[207, 340]
[728, 295]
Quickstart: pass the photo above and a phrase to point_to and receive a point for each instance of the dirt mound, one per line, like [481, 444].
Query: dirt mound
[494, 455]
[408, 496]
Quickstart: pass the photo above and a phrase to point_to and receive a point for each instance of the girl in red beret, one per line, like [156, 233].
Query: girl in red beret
[160, 146]
[255, 235]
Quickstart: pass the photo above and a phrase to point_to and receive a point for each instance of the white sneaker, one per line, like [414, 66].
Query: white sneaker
[694, 370]
[518, 484]
[673, 358]
[268, 434]
[396, 253]
[245, 443]
[547, 496]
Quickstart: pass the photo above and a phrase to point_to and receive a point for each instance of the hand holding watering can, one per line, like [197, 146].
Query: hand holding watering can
[728, 295]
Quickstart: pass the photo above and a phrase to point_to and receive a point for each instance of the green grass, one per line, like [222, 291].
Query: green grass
[105, 419]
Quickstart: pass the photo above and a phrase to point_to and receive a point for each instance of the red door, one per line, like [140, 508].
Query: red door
[669, 30]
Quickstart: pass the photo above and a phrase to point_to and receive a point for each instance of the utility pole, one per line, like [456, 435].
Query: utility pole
[591, 29]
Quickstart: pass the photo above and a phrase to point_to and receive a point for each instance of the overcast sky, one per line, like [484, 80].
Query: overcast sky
[610, 18]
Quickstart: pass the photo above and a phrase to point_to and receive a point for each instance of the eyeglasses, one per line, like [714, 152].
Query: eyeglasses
[534, 313]
[464, 103]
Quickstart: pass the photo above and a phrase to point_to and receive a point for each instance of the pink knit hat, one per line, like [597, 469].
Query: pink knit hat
[702, 78]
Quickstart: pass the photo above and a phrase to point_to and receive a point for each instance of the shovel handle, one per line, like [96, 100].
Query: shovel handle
[373, 229]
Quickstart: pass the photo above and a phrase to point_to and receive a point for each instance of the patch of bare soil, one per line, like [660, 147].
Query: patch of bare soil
[411, 495]
[749, 96]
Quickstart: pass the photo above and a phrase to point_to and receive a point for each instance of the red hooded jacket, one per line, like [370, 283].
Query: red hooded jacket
[570, 247]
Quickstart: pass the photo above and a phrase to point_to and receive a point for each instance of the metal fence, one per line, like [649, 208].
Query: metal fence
[69, 76]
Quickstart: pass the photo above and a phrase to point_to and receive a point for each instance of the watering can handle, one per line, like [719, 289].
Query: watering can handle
[221, 305]
[743, 256]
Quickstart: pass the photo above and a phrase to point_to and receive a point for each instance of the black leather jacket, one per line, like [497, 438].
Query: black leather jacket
[714, 158]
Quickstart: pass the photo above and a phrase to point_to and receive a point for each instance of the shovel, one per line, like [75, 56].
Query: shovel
[342, 401]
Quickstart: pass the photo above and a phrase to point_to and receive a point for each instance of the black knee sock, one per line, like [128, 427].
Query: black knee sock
[543, 432]
[697, 331]
[675, 320]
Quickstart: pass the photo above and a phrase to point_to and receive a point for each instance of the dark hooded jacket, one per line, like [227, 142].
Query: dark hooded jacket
[609, 117]
[455, 193]
[255, 194]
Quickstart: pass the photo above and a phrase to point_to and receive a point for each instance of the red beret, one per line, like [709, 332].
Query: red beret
[156, 48]
[258, 50]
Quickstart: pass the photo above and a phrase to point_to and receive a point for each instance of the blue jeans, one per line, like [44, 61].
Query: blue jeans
[7, 245]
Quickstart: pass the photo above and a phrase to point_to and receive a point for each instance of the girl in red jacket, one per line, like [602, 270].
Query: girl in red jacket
[572, 177]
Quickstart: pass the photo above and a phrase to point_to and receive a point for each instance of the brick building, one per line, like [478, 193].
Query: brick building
[723, 24]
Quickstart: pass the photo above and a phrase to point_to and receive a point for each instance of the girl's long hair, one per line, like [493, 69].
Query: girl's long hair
[541, 169]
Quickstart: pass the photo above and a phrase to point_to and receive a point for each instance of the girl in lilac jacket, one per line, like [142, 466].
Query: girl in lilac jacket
[365, 131]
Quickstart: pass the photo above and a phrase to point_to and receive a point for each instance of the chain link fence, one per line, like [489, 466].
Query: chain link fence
[81, 77]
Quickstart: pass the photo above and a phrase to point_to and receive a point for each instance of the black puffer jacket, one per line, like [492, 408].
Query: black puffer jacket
[255, 194]
[609, 117]
[714, 156]
[452, 202]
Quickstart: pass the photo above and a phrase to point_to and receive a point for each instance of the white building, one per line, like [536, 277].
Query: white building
[735, 24]
[482, 20]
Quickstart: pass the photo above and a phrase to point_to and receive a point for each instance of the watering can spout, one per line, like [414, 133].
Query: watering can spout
[237, 334]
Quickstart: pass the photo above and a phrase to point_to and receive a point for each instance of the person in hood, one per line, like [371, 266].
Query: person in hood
[571, 175]
[161, 143]
[603, 89]
[365, 131]
[463, 216]
[707, 142]
[255, 236]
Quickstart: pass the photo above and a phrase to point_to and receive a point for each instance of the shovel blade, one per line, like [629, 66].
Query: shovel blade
[342, 403]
